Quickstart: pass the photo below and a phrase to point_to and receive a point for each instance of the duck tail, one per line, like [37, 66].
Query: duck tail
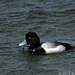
[68, 46]
[73, 47]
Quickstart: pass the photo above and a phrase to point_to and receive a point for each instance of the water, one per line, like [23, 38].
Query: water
[52, 20]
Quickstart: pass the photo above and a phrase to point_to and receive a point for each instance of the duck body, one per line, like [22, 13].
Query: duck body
[45, 47]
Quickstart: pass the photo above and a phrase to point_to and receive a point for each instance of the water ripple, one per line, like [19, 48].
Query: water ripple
[52, 20]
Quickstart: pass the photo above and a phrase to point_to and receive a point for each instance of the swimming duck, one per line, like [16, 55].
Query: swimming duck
[33, 40]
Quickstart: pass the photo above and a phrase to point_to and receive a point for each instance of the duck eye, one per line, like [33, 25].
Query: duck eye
[29, 37]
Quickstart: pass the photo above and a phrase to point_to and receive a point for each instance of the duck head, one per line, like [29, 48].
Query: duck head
[32, 39]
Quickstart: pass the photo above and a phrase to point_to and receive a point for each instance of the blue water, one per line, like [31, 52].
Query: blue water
[52, 20]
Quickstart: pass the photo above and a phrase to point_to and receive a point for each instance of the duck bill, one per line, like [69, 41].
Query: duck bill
[23, 43]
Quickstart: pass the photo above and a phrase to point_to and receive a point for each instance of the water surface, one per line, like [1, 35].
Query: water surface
[52, 20]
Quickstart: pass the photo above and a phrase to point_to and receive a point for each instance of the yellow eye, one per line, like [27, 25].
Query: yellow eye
[29, 37]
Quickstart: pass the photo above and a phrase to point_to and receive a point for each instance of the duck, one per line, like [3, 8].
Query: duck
[36, 47]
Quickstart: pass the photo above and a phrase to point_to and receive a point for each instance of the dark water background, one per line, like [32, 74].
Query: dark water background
[51, 20]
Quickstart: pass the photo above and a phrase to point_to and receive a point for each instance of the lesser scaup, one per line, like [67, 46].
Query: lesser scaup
[33, 40]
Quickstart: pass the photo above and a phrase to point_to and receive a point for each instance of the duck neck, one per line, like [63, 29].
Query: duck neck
[34, 46]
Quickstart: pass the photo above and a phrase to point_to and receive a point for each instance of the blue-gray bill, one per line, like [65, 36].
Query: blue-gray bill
[23, 43]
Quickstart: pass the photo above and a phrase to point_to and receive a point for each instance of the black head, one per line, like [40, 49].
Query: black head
[32, 39]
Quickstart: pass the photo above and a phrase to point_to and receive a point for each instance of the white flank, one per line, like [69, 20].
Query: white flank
[52, 49]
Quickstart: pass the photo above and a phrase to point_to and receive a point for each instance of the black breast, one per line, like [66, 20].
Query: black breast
[37, 50]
